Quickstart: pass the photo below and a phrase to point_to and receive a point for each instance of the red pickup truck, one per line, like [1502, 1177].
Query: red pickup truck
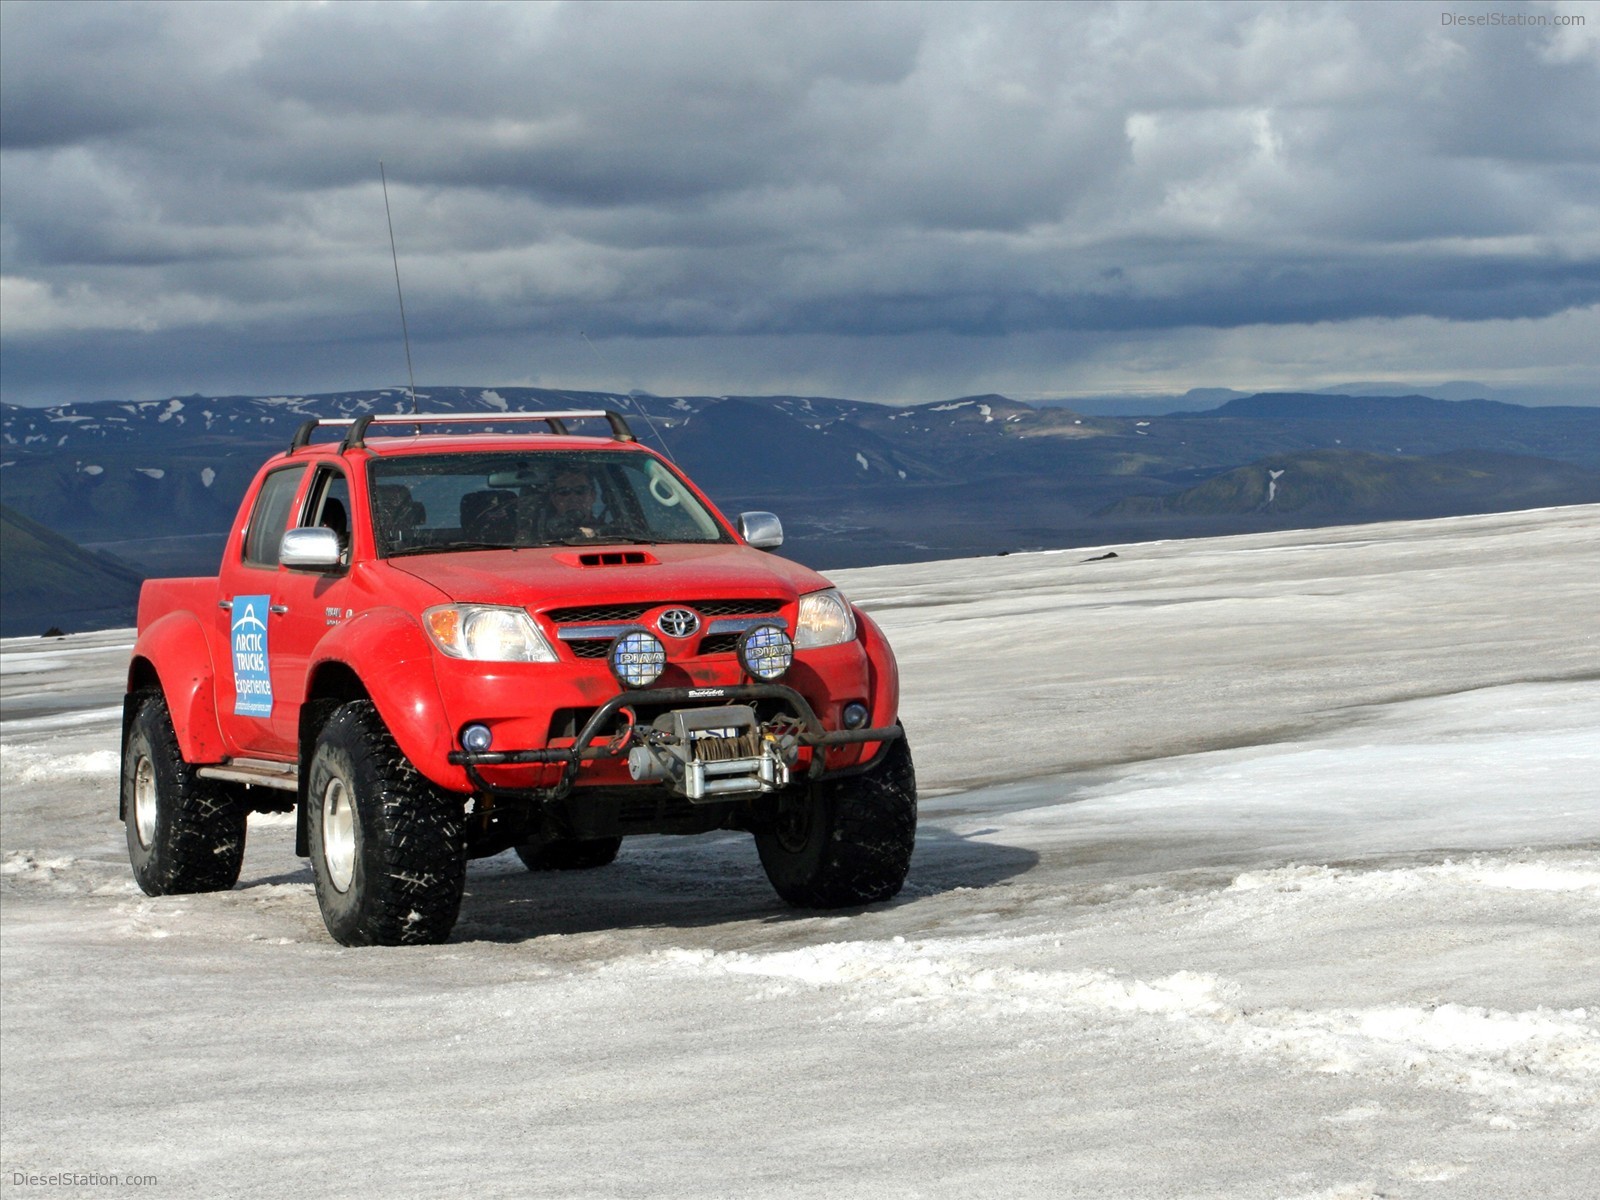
[439, 647]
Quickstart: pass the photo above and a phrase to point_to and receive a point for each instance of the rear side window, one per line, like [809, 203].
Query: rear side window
[270, 517]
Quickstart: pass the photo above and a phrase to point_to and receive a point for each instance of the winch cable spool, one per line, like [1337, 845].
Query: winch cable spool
[710, 752]
[718, 749]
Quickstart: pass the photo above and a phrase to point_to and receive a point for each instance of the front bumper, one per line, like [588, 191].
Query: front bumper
[570, 759]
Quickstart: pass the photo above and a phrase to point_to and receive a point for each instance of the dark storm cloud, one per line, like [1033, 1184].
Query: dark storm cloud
[184, 183]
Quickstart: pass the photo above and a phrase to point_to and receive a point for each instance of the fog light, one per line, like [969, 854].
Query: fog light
[637, 658]
[766, 651]
[855, 715]
[476, 738]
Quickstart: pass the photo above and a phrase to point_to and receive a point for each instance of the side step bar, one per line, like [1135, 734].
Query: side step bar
[257, 772]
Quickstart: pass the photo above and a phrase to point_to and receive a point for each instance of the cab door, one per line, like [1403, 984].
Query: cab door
[248, 619]
[308, 603]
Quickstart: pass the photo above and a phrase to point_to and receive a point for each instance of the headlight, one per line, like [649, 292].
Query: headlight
[825, 620]
[487, 633]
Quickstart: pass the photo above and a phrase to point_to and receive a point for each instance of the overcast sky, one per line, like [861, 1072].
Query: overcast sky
[892, 202]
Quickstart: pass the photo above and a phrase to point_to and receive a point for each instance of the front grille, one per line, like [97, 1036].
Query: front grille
[596, 613]
[718, 643]
[735, 608]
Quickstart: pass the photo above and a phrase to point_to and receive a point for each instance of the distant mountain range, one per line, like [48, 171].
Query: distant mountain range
[156, 483]
[1129, 404]
[1352, 484]
[47, 581]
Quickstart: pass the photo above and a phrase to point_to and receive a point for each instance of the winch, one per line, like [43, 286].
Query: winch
[706, 753]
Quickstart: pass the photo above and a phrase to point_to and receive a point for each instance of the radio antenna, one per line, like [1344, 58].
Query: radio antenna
[643, 412]
[405, 334]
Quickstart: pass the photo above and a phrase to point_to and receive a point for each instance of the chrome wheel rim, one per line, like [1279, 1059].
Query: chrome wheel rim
[338, 835]
[144, 800]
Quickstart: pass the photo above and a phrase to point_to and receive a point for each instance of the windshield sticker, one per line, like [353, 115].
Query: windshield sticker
[252, 674]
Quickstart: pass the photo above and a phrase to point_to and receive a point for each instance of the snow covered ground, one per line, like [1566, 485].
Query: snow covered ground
[1256, 867]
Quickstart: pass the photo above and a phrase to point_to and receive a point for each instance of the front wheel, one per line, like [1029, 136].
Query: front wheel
[388, 849]
[185, 834]
[848, 841]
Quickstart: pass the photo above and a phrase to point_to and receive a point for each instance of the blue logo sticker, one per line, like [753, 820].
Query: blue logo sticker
[252, 670]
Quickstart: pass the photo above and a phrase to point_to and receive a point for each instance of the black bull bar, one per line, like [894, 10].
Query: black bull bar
[583, 748]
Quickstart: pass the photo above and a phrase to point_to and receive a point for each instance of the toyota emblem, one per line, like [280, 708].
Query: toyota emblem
[677, 622]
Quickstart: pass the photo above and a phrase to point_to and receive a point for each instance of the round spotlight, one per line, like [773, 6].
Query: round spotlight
[855, 715]
[476, 738]
[637, 658]
[766, 651]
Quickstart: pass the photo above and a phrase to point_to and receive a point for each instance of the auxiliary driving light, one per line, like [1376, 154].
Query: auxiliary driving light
[476, 738]
[766, 651]
[855, 715]
[637, 658]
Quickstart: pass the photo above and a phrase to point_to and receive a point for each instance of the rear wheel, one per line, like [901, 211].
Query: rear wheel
[846, 842]
[569, 855]
[388, 849]
[185, 834]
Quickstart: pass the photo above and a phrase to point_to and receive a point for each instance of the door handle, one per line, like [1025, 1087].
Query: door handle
[278, 610]
[225, 605]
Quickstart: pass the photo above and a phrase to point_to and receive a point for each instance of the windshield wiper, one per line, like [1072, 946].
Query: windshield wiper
[447, 547]
[608, 540]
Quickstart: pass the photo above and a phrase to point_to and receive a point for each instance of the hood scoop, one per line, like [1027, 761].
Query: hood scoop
[609, 558]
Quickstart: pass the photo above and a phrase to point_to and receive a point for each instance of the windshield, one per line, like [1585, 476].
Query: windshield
[438, 502]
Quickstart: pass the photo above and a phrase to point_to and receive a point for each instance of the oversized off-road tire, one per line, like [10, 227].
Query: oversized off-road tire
[569, 855]
[849, 841]
[185, 834]
[388, 848]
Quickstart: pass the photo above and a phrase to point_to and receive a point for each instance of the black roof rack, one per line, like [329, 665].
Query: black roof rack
[356, 432]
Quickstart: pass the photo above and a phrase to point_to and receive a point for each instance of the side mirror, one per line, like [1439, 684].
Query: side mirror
[762, 530]
[313, 549]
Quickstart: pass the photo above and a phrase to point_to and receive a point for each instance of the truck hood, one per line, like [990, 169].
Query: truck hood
[543, 578]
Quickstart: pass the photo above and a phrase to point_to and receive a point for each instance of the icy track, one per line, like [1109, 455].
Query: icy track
[1256, 867]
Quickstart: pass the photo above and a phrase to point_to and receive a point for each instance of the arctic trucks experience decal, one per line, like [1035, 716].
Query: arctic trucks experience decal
[252, 674]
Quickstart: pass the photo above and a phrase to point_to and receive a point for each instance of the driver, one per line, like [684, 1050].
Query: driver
[573, 498]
